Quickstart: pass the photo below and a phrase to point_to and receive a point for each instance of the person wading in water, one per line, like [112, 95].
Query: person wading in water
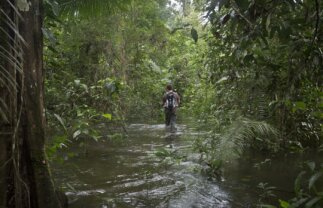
[171, 101]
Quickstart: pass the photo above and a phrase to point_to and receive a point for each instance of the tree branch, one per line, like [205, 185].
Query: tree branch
[317, 6]
[233, 4]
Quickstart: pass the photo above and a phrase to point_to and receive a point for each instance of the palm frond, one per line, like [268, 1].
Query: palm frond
[12, 26]
[11, 63]
[5, 75]
[4, 111]
[90, 8]
[12, 56]
[245, 133]
[15, 9]
[5, 35]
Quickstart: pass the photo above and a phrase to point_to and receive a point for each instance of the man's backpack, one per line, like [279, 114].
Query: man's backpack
[170, 100]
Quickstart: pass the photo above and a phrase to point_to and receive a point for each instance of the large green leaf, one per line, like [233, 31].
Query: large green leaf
[313, 201]
[297, 184]
[284, 204]
[61, 121]
[76, 133]
[313, 179]
[107, 116]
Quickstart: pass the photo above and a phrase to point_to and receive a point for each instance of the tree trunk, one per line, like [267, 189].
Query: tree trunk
[25, 179]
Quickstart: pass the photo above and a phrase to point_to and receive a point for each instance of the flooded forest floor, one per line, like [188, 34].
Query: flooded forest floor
[153, 168]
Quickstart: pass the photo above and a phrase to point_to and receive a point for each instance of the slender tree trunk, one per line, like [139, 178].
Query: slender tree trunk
[42, 187]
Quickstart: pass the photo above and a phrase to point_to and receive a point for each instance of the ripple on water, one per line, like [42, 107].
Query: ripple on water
[139, 127]
[201, 195]
[86, 192]
[141, 179]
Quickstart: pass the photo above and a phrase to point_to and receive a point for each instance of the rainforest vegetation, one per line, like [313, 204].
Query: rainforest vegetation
[76, 73]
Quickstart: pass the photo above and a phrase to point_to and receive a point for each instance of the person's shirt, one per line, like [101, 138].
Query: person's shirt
[177, 98]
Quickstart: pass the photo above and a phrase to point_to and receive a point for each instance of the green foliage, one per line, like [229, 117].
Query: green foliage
[109, 69]
[117, 138]
[249, 70]
[262, 62]
[59, 142]
[242, 134]
[169, 156]
[266, 193]
[308, 189]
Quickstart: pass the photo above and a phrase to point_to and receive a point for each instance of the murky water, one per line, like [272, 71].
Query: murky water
[129, 173]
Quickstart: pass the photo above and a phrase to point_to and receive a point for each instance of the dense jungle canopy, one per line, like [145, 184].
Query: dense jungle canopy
[77, 73]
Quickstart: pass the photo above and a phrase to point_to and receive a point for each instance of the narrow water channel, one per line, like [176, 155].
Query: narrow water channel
[129, 173]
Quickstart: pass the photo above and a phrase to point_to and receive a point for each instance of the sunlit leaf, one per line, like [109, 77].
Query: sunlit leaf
[222, 79]
[61, 121]
[311, 165]
[76, 133]
[300, 105]
[85, 87]
[85, 131]
[284, 204]
[107, 116]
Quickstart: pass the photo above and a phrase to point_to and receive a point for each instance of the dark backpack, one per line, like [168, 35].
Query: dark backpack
[170, 100]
